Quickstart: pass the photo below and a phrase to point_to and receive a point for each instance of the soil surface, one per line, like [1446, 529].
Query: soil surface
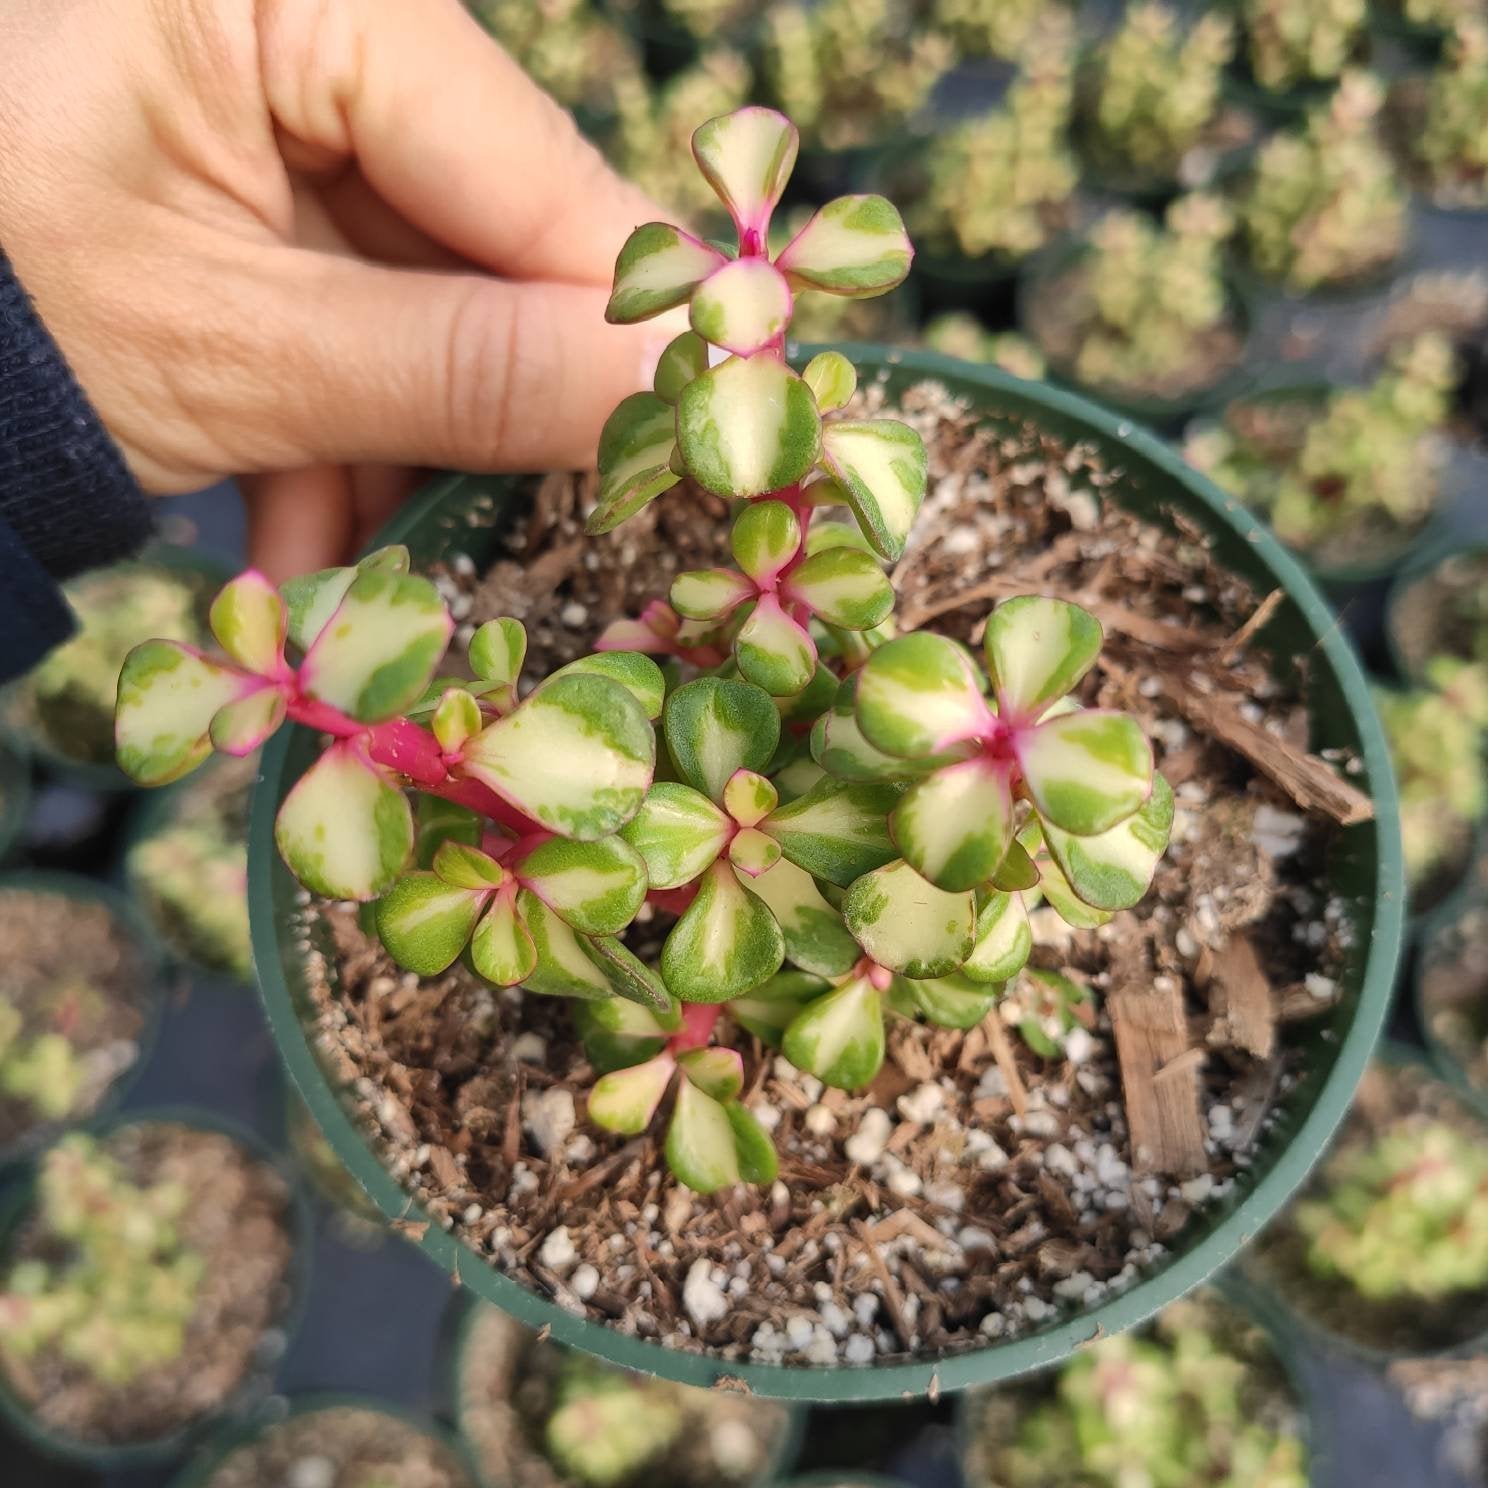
[239, 1223]
[1388, 1097]
[342, 1447]
[1454, 987]
[507, 1388]
[70, 967]
[975, 1190]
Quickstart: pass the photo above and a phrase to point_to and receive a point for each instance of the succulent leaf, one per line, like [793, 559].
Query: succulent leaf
[747, 157]
[744, 306]
[1086, 771]
[594, 887]
[905, 923]
[709, 593]
[726, 941]
[312, 599]
[839, 1038]
[251, 622]
[838, 745]
[758, 1161]
[816, 940]
[502, 949]
[715, 726]
[239, 727]
[717, 1072]
[774, 651]
[955, 827]
[832, 379]
[1037, 651]
[700, 1145]
[766, 535]
[855, 245]
[1113, 869]
[617, 1034]
[1003, 940]
[768, 1010]
[678, 832]
[749, 797]
[457, 717]
[919, 695]
[1017, 870]
[838, 830]
[752, 853]
[947, 1002]
[844, 587]
[424, 923]
[168, 696]
[659, 267]
[685, 358]
[497, 651]
[466, 867]
[882, 468]
[630, 978]
[1064, 901]
[635, 452]
[625, 1100]
[635, 672]
[564, 966]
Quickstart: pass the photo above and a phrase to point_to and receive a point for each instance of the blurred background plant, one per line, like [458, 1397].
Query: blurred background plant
[1452, 146]
[958, 333]
[989, 28]
[1294, 42]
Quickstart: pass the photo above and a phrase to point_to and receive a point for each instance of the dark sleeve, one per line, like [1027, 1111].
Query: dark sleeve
[67, 500]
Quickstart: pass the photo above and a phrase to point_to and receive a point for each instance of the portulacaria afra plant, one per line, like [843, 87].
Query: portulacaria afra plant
[842, 822]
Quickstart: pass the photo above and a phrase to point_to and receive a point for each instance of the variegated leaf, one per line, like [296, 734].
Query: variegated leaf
[464, 866]
[802, 709]
[832, 379]
[629, 977]
[424, 923]
[1037, 651]
[251, 623]
[1113, 869]
[747, 157]
[1003, 940]
[437, 821]
[239, 727]
[497, 651]
[749, 797]
[907, 924]
[678, 832]
[502, 949]
[635, 672]
[168, 696]
[344, 829]
[743, 307]
[816, 940]
[839, 1037]
[752, 853]
[625, 1100]
[715, 726]
[700, 1145]
[881, 466]
[659, 267]
[947, 1002]
[748, 426]
[564, 967]
[457, 717]
[379, 649]
[758, 1162]
[843, 586]
[766, 535]
[312, 599]
[1063, 900]
[617, 1034]
[773, 651]
[709, 593]
[768, 1010]
[594, 887]
[838, 745]
[839, 830]
[577, 756]
[726, 942]
[1086, 771]
[919, 695]
[855, 245]
[955, 827]
[794, 778]
[685, 358]
[1017, 870]
[717, 1072]
[635, 451]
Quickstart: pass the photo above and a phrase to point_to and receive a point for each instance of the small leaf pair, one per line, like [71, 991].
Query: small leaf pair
[661, 631]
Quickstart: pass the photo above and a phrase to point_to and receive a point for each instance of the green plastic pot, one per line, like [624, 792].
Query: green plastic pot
[1167, 415]
[15, 796]
[1289, 1310]
[471, 514]
[210, 572]
[847, 1477]
[77, 889]
[198, 1472]
[1445, 1059]
[124, 1456]
[468, 1312]
[1287, 1346]
[1421, 570]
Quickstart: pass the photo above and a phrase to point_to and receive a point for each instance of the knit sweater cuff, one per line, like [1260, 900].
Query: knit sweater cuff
[65, 493]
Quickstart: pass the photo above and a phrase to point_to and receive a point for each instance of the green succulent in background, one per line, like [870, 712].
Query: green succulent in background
[1366, 456]
[1452, 146]
[120, 1302]
[608, 1425]
[1293, 42]
[1169, 1409]
[960, 334]
[1437, 735]
[1156, 88]
[1444, 15]
[1404, 1216]
[851, 72]
[990, 28]
[43, 1072]
[1326, 204]
[1001, 183]
[711, 20]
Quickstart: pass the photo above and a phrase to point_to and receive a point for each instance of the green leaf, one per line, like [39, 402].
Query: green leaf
[855, 245]
[769, 1009]
[637, 674]
[909, 925]
[251, 623]
[758, 1162]
[424, 923]
[1038, 650]
[678, 832]
[882, 468]
[577, 756]
[635, 451]
[747, 157]
[748, 426]
[1086, 771]
[832, 380]
[816, 940]
[311, 600]
[918, 695]
[766, 535]
[955, 828]
[630, 978]
[773, 651]
[625, 1100]
[839, 830]
[465, 867]
[715, 726]
[743, 307]
[726, 942]
[1017, 870]
[239, 727]
[845, 587]
[749, 798]
[806, 706]
[594, 887]
[947, 1002]
[564, 966]
[685, 358]
[1063, 900]
[1003, 940]
[752, 853]
[700, 1145]
[659, 267]
[716, 1072]
[709, 593]
[457, 717]
[437, 821]
[839, 1038]
[344, 829]
[838, 745]
[502, 949]
[1113, 869]
[617, 1034]
[497, 651]
[167, 698]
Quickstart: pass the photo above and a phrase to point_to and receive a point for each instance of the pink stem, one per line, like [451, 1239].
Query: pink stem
[698, 1021]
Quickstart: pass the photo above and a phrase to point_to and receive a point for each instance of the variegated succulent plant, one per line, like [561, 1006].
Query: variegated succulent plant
[843, 822]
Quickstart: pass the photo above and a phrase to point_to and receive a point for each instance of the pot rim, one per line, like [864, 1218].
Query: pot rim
[1069, 413]
[1422, 567]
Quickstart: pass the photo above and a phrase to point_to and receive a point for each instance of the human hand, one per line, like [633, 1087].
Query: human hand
[312, 242]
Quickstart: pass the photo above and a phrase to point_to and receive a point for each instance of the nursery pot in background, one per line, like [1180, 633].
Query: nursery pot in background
[1412, 618]
[1455, 945]
[472, 515]
[15, 796]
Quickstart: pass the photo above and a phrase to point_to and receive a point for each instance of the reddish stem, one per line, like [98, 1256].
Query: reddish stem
[673, 901]
[698, 1021]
